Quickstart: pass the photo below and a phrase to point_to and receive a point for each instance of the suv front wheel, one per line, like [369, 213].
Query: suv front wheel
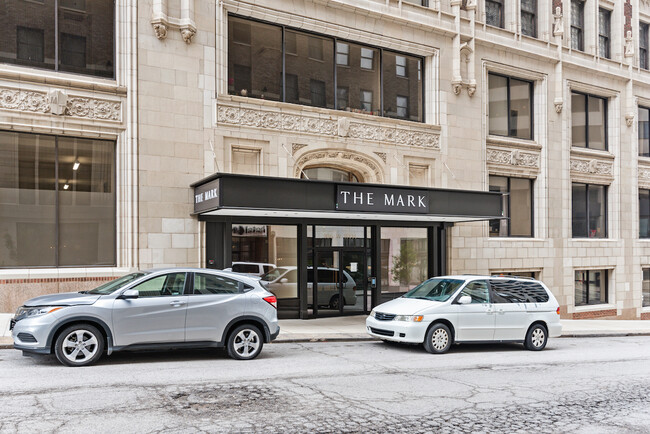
[79, 345]
[245, 342]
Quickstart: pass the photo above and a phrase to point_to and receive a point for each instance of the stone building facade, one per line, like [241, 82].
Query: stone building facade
[177, 111]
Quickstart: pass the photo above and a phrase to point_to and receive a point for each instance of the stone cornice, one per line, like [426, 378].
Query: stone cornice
[76, 106]
[592, 170]
[644, 173]
[508, 160]
[244, 112]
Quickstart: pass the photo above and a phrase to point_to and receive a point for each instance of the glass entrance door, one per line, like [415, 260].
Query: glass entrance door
[339, 282]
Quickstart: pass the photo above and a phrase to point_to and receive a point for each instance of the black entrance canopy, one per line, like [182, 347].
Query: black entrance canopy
[225, 194]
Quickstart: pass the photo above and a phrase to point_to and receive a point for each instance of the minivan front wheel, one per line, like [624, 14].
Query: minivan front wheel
[536, 338]
[79, 345]
[438, 339]
[245, 342]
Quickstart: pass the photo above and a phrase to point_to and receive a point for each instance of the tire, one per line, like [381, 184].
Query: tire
[245, 342]
[334, 302]
[438, 339]
[536, 338]
[79, 345]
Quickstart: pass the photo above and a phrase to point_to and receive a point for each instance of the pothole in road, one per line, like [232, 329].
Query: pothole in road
[220, 398]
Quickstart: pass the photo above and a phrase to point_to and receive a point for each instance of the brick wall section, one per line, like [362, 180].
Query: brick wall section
[14, 292]
[627, 12]
[595, 314]
[645, 315]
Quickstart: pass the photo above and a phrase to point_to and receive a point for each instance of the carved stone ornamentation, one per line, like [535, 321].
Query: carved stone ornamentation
[358, 163]
[296, 147]
[644, 174]
[59, 103]
[592, 166]
[187, 33]
[558, 22]
[342, 127]
[381, 155]
[629, 44]
[457, 87]
[558, 103]
[513, 158]
[160, 30]
[629, 119]
[471, 89]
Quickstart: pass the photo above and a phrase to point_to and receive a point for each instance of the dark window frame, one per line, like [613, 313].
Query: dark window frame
[531, 96]
[535, 17]
[639, 108]
[509, 205]
[643, 44]
[606, 289]
[643, 296]
[647, 234]
[334, 65]
[58, 49]
[501, 5]
[607, 37]
[606, 211]
[581, 28]
[57, 205]
[586, 111]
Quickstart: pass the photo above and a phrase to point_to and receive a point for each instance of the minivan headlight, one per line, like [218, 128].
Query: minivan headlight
[27, 312]
[410, 318]
[372, 313]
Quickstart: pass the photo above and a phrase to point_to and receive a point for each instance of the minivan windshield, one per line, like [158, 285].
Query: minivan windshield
[273, 274]
[113, 285]
[435, 289]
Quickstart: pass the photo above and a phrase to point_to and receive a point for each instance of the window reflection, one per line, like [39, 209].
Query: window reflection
[404, 263]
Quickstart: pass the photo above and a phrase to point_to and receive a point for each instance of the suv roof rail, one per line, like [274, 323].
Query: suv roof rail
[516, 277]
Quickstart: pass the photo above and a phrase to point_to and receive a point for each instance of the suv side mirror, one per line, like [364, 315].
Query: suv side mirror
[130, 294]
[465, 299]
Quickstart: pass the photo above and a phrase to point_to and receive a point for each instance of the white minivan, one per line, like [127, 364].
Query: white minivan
[455, 309]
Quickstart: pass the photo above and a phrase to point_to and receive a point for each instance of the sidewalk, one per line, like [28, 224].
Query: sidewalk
[350, 328]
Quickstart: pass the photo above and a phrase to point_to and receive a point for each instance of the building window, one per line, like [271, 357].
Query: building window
[517, 207]
[604, 32]
[79, 34]
[510, 106]
[361, 79]
[494, 13]
[646, 287]
[589, 211]
[57, 201]
[577, 24]
[367, 57]
[644, 213]
[644, 132]
[328, 174]
[643, 45]
[417, 2]
[529, 18]
[591, 287]
[588, 121]
[342, 54]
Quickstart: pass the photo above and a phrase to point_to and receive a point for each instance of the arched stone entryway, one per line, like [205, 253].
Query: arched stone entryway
[365, 168]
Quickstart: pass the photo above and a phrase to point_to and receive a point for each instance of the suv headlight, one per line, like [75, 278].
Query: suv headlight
[410, 318]
[30, 312]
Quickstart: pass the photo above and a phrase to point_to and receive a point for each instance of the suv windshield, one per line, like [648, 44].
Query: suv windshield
[273, 274]
[435, 289]
[113, 285]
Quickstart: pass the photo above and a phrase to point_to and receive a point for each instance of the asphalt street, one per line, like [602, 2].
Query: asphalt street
[581, 385]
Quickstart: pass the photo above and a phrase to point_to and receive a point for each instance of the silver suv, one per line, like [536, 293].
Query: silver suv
[163, 308]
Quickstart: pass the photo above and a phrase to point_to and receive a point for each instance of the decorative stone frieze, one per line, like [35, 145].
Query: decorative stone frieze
[359, 163]
[296, 121]
[381, 155]
[296, 147]
[593, 166]
[75, 106]
[644, 176]
[513, 157]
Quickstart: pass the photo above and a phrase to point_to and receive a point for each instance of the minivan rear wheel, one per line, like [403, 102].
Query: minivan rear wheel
[438, 339]
[79, 345]
[245, 342]
[536, 338]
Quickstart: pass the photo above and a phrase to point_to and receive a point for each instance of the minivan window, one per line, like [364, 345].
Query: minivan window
[478, 290]
[534, 292]
[109, 287]
[273, 274]
[435, 289]
[211, 284]
[507, 291]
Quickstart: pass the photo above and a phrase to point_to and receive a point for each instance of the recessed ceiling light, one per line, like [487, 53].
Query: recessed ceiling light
[65, 187]
[76, 165]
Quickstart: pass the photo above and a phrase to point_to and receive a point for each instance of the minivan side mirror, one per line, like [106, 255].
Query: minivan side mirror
[130, 294]
[465, 299]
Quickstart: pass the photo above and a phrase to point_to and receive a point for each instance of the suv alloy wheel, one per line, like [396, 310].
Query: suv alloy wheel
[79, 345]
[245, 342]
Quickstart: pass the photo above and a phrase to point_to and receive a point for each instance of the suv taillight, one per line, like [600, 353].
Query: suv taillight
[272, 300]
[558, 310]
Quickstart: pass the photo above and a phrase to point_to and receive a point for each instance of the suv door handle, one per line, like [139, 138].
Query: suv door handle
[177, 303]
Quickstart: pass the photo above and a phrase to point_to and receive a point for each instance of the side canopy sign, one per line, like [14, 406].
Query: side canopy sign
[206, 196]
[378, 199]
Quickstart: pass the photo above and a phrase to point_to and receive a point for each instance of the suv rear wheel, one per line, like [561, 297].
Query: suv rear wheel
[79, 345]
[245, 342]
[536, 338]
[438, 339]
